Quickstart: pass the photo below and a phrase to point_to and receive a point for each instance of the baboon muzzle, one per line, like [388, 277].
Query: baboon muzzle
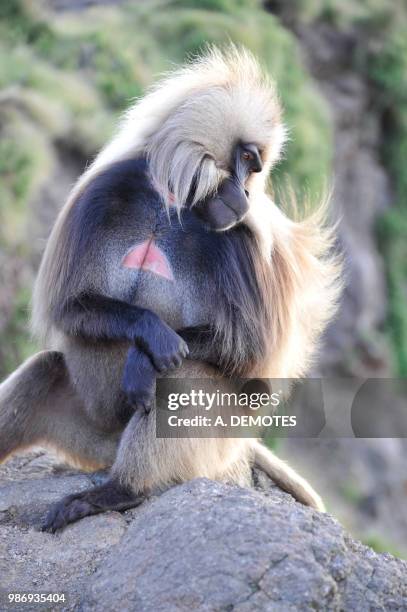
[230, 204]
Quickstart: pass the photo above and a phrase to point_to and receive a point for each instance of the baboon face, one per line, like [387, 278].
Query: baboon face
[230, 204]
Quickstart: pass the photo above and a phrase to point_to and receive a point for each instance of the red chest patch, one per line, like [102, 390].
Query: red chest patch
[149, 257]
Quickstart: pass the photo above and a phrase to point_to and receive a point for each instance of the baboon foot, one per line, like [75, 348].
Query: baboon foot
[109, 496]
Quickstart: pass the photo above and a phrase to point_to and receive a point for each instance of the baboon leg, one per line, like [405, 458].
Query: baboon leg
[38, 406]
[145, 463]
[115, 494]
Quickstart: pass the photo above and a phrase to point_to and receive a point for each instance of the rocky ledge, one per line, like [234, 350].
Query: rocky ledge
[198, 546]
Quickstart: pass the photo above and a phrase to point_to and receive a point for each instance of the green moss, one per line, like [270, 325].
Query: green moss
[351, 493]
[17, 344]
[14, 168]
[392, 231]
[381, 545]
[272, 442]
[345, 13]
[114, 74]
[387, 68]
[222, 6]
[15, 176]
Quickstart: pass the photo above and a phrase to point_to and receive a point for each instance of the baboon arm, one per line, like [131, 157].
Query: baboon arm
[38, 406]
[286, 478]
[98, 317]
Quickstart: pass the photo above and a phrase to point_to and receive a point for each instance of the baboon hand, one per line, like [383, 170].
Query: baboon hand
[139, 380]
[164, 346]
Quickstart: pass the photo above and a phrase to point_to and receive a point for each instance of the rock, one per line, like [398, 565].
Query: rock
[364, 480]
[198, 546]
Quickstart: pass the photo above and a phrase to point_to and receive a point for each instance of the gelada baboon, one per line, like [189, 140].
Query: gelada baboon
[169, 253]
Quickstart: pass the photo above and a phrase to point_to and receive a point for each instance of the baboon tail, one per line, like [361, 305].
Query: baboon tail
[286, 478]
[39, 407]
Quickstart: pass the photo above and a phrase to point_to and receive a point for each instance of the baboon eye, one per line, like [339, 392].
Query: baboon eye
[246, 155]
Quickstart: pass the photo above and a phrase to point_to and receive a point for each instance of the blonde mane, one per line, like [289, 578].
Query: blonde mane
[188, 122]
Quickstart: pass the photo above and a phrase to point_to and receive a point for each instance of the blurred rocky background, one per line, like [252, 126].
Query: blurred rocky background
[69, 67]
